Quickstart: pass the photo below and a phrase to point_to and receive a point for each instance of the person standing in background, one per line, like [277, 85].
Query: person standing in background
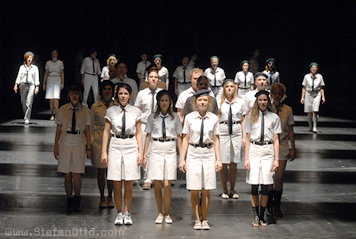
[53, 82]
[216, 76]
[111, 61]
[181, 76]
[141, 68]
[28, 81]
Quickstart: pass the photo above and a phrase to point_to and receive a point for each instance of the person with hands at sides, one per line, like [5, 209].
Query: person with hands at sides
[262, 127]
[164, 134]
[123, 125]
[285, 113]
[201, 146]
[27, 81]
[72, 144]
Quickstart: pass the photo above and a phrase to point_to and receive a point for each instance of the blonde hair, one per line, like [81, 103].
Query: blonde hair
[223, 97]
[195, 70]
[280, 86]
[255, 110]
[210, 103]
[109, 59]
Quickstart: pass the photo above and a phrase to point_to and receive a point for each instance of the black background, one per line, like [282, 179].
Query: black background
[295, 33]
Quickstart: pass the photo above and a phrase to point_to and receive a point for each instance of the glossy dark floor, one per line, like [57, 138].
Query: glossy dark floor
[319, 199]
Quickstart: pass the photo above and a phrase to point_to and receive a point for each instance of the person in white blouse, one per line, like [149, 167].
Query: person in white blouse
[312, 91]
[164, 135]
[123, 125]
[231, 119]
[53, 82]
[216, 75]
[271, 72]
[111, 61]
[28, 81]
[141, 68]
[201, 145]
[262, 127]
[260, 82]
[244, 80]
[146, 102]
[163, 73]
[90, 71]
[181, 76]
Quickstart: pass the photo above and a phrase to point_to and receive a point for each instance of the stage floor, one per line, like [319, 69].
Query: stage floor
[319, 199]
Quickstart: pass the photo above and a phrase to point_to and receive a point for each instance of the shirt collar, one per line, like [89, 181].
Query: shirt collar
[198, 116]
[77, 108]
[163, 116]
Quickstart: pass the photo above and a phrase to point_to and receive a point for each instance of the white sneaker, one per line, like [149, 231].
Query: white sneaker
[127, 219]
[27, 121]
[119, 219]
[205, 225]
[225, 195]
[197, 225]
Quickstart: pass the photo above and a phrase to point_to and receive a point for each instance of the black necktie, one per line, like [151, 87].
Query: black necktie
[73, 121]
[123, 127]
[229, 120]
[214, 78]
[245, 78]
[184, 75]
[262, 127]
[201, 133]
[164, 127]
[93, 67]
[313, 78]
[153, 100]
[27, 73]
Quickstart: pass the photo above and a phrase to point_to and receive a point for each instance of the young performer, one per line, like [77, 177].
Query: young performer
[123, 125]
[201, 145]
[231, 119]
[72, 143]
[262, 127]
[163, 130]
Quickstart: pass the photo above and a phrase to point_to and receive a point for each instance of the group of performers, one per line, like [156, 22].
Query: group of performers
[216, 120]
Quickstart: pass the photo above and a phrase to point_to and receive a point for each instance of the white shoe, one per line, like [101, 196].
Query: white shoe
[205, 225]
[225, 195]
[127, 219]
[197, 225]
[27, 121]
[119, 219]
[168, 219]
[159, 219]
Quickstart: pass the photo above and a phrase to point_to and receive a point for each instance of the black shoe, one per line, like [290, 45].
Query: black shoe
[270, 204]
[70, 204]
[77, 203]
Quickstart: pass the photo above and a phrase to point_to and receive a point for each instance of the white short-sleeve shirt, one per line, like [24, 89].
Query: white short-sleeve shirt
[219, 74]
[273, 77]
[308, 82]
[114, 116]
[179, 74]
[54, 67]
[182, 98]
[141, 68]
[240, 79]
[192, 126]
[237, 109]
[144, 102]
[87, 66]
[272, 126]
[154, 126]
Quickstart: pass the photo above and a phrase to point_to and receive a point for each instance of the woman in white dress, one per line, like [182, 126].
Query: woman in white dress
[163, 130]
[201, 145]
[244, 80]
[163, 73]
[97, 114]
[53, 82]
[231, 119]
[312, 91]
[105, 72]
[123, 125]
[262, 127]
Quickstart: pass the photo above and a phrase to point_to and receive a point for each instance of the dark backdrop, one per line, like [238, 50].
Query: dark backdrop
[293, 32]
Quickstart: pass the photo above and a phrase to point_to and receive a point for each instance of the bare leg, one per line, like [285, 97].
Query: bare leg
[205, 203]
[278, 185]
[51, 106]
[118, 195]
[194, 200]
[158, 196]
[167, 195]
[232, 175]
[127, 195]
[56, 106]
[68, 184]
[77, 183]
[223, 177]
